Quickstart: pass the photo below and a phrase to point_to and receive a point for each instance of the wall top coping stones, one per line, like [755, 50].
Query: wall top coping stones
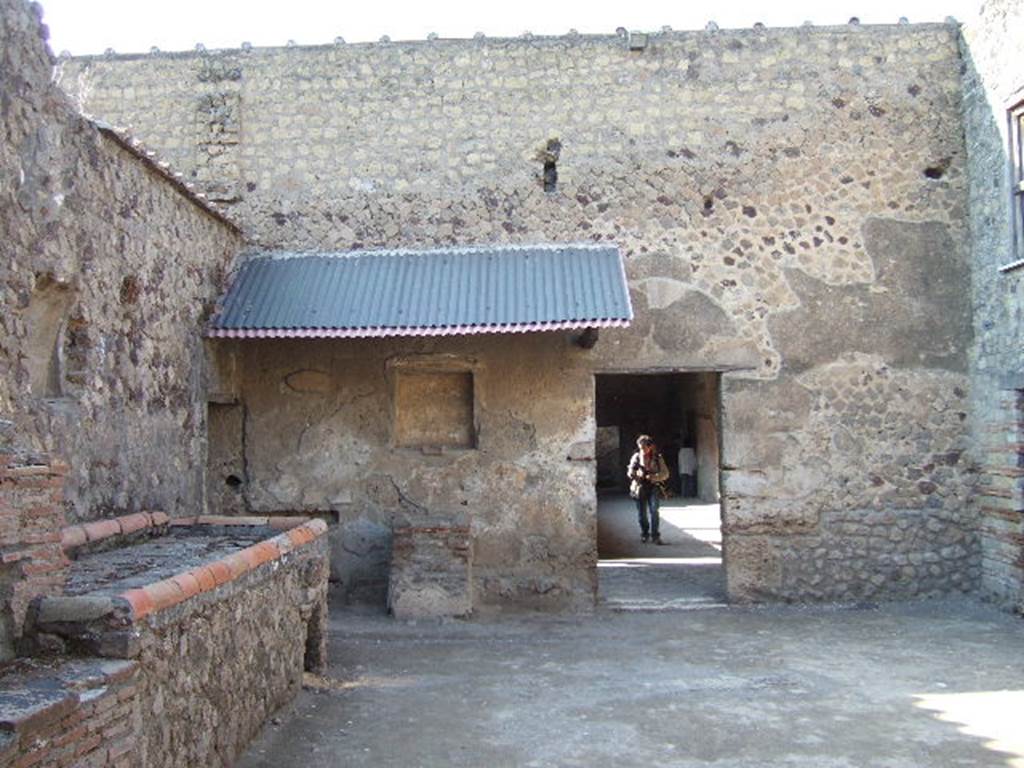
[122, 610]
[526, 40]
[177, 180]
[74, 536]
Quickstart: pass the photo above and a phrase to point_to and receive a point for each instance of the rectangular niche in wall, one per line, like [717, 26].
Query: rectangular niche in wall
[1015, 116]
[434, 409]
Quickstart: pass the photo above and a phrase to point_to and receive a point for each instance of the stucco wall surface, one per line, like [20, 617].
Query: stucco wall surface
[106, 274]
[993, 83]
[792, 209]
[318, 436]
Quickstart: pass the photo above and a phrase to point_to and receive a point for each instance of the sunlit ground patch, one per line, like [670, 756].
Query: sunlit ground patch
[995, 716]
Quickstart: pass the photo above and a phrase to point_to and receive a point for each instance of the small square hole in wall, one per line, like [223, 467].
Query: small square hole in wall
[434, 409]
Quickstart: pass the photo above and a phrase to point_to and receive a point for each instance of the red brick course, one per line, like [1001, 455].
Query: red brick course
[1001, 495]
[31, 519]
[78, 730]
[171, 591]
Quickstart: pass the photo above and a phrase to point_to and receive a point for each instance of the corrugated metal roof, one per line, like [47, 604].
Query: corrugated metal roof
[492, 289]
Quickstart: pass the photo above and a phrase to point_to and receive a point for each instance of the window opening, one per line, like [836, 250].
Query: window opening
[1016, 156]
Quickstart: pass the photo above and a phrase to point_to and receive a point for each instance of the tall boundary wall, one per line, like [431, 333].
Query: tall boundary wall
[792, 206]
[993, 84]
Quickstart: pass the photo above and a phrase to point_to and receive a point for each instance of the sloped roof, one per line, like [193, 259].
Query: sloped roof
[445, 291]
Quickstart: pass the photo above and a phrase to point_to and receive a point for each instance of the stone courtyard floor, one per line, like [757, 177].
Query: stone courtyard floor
[928, 684]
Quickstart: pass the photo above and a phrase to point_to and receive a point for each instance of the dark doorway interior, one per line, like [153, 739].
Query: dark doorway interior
[680, 411]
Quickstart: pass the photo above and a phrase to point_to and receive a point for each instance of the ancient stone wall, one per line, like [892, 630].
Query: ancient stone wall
[219, 645]
[216, 666]
[108, 271]
[319, 436]
[791, 205]
[993, 84]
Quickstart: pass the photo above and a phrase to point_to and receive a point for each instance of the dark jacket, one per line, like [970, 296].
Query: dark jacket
[658, 474]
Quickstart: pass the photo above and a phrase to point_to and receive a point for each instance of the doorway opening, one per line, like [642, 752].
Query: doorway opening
[681, 412]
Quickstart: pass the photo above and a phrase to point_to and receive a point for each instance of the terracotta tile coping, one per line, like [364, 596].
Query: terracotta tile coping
[75, 536]
[209, 576]
[142, 601]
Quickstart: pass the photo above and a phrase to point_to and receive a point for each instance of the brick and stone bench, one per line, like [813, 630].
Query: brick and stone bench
[431, 568]
[220, 615]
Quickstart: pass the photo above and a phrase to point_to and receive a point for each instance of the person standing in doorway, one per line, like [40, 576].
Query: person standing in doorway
[647, 470]
[688, 471]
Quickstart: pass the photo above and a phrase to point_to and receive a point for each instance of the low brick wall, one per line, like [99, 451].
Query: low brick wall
[220, 645]
[431, 568]
[83, 713]
[32, 561]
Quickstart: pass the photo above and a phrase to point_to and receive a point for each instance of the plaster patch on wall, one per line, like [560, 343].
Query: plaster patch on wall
[307, 380]
[663, 291]
[434, 409]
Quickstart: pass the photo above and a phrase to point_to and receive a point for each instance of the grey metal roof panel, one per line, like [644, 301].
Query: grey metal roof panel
[510, 288]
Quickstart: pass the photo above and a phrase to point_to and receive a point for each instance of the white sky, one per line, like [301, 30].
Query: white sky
[130, 26]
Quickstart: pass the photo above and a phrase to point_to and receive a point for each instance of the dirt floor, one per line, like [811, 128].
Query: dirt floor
[656, 678]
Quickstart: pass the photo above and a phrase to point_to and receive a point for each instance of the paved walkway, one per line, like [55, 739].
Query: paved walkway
[684, 573]
[926, 685]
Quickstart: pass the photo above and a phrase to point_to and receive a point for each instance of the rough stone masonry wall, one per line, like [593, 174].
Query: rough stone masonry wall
[108, 270]
[216, 666]
[791, 205]
[994, 82]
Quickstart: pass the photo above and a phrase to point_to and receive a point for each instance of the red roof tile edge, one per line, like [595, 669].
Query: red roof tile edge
[204, 578]
[446, 330]
[74, 536]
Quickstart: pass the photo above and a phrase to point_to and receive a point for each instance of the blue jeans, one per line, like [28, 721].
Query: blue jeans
[647, 505]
